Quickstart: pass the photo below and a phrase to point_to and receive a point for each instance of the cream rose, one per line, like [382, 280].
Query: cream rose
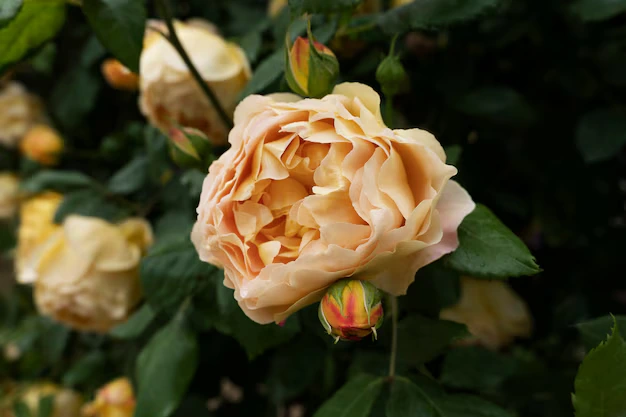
[312, 191]
[9, 194]
[19, 110]
[494, 314]
[169, 93]
[86, 273]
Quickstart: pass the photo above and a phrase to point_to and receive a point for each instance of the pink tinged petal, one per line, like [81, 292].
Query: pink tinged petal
[455, 203]
[347, 235]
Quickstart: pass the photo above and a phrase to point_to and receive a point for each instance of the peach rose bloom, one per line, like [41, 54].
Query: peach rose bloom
[493, 313]
[19, 111]
[170, 94]
[115, 399]
[86, 272]
[315, 190]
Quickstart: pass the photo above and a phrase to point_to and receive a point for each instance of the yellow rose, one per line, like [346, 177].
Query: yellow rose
[42, 144]
[67, 403]
[315, 190]
[19, 110]
[86, 274]
[36, 226]
[9, 194]
[492, 311]
[169, 93]
[115, 399]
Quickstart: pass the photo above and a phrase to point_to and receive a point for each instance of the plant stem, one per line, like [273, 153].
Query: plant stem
[165, 11]
[388, 116]
[393, 300]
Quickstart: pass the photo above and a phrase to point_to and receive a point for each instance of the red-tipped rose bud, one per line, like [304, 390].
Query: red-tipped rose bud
[351, 309]
[189, 146]
[312, 68]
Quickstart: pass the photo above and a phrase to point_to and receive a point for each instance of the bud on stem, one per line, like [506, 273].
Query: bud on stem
[351, 309]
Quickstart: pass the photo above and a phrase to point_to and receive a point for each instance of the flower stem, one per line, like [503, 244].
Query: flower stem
[165, 11]
[393, 300]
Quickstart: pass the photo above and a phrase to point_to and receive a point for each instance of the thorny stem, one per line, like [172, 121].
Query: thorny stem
[393, 300]
[165, 11]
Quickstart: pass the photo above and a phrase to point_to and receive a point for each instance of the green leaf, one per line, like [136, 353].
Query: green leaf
[21, 409]
[62, 181]
[594, 10]
[601, 380]
[71, 109]
[601, 134]
[119, 25]
[435, 288]
[300, 7]
[90, 203]
[253, 337]
[595, 331]
[93, 363]
[7, 238]
[426, 14]
[489, 249]
[45, 406]
[135, 325]
[499, 104]
[424, 398]
[421, 339]
[268, 71]
[354, 399]
[477, 368]
[8, 11]
[295, 367]
[251, 44]
[131, 177]
[164, 370]
[171, 272]
[35, 24]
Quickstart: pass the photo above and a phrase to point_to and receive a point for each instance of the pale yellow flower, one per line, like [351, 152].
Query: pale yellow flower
[169, 93]
[315, 190]
[19, 111]
[36, 226]
[9, 194]
[115, 399]
[494, 314]
[86, 273]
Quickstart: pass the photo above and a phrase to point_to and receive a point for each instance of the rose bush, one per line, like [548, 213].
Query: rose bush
[312, 191]
[171, 213]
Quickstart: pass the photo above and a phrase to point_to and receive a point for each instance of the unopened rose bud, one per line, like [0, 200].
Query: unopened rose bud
[312, 68]
[189, 147]
[351, 309]
[115, 399]
[42, 144]
[391, 75]
[118, 76]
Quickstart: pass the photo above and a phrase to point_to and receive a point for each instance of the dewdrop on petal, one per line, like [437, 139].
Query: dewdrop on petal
[351, 309]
